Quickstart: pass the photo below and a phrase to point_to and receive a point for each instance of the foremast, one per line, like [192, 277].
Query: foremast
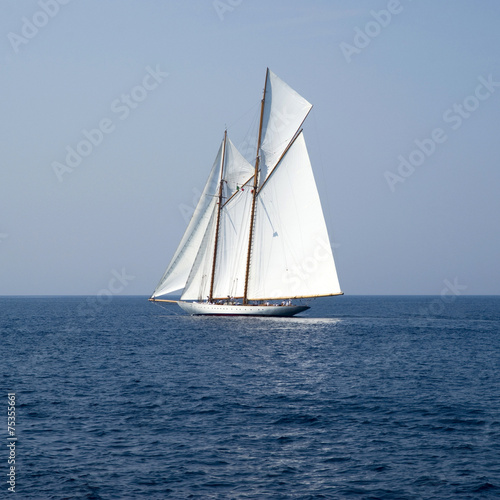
[254, 193]
[219, 207]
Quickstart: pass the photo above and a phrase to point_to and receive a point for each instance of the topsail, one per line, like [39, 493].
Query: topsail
[284, 112]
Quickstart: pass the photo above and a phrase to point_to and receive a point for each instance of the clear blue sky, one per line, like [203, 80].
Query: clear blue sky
[427, 73]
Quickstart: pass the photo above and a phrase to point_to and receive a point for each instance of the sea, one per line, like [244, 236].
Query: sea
[360, 397]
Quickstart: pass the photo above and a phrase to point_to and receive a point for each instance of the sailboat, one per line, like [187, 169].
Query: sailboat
[257, 241]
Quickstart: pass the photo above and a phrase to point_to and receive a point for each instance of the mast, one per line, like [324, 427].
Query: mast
[212, 279]
[254, 197]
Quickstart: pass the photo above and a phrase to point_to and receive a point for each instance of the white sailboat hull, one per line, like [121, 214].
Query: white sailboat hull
[204, 308]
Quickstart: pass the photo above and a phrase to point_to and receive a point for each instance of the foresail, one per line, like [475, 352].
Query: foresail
[291, 255]
[178, 270]
[232, 242]
[283, 114]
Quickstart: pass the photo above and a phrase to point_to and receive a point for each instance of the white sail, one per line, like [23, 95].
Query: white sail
[237, 170]
[291, 254]
[233, 245]
[234, 225]
[233, 234]
[178, 270]
[198, 282]
[284, 112]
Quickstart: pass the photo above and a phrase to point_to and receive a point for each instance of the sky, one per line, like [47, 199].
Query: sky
[403, 136]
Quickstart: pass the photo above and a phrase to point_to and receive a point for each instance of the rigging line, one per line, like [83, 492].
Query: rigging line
[236, 192]
[237, 120]
[248, 137]
[247, 146]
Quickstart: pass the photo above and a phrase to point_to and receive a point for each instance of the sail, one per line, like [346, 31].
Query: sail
[283, 114]
[237, 170]
[234, 225]
[178, 270]
[291, 253]
[233, 245]
[233, 234]
[198, 282]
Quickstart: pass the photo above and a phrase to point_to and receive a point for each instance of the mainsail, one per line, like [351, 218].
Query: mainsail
[258, 232]
[296, 258]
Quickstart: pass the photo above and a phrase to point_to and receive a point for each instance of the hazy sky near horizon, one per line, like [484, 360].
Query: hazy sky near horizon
[403, 136]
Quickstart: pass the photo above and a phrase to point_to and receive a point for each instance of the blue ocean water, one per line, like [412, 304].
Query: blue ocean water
[359, 397]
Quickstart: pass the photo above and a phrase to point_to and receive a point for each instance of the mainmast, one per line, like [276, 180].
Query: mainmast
[254, 197]
[212, 279]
